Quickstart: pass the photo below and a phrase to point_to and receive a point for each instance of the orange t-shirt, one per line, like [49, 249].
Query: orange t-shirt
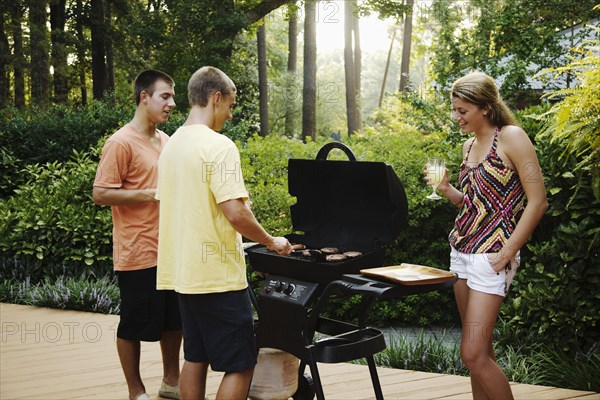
[129, 161]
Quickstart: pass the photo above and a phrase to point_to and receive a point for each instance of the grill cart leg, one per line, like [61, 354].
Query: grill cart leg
[314, 371]
[306, 389]
[374, 378]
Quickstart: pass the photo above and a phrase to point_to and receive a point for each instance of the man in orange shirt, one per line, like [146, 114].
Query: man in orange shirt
[126, 180]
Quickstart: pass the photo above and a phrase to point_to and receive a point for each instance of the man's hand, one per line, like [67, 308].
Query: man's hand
[280, 245]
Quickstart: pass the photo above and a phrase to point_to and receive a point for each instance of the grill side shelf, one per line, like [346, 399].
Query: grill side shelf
[356, 283]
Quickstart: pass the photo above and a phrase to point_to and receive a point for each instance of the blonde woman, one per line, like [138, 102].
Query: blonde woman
[500, 169]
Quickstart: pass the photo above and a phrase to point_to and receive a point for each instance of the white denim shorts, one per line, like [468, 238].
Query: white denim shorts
[478, 272]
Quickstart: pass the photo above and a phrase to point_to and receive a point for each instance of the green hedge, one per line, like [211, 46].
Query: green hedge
[50, 226]
[556, 293]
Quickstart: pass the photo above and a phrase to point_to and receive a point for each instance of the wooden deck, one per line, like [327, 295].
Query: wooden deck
[53, 354]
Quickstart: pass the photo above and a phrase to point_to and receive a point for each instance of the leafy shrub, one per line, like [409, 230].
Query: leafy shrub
[51, 227]
[575, 122]
[264, 165]
[9, 167]
[557, 293]
[45, 136]
[412, 109]
[33, 136]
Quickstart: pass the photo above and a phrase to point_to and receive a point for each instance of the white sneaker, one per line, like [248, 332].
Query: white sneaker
[168, 391]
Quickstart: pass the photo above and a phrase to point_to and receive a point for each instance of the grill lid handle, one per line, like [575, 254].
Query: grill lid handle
[324, 151]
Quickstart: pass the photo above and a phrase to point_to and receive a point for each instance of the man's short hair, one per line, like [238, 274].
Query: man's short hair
[205, 82]
[145, 81]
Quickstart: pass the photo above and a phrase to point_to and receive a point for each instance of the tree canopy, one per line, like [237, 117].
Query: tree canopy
[108, 42]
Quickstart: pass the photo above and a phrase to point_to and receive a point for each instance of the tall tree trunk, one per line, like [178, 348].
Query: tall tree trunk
[406, 43]
[387, 68]
[16, 16]
[4, 59]
[263, 84]
[97, 24]
[38, 45]
[81, 52]
[309, 89]
[59, 50]
[357, 67]
[351, 110]
[110, 57]
[291, 69]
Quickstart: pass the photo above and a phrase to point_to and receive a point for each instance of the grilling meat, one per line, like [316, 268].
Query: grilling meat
[353, 254]
[330, 250]
[327, 254]
[311, 254]
[335, 257]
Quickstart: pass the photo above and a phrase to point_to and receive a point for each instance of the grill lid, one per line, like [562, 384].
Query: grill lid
[350, 203]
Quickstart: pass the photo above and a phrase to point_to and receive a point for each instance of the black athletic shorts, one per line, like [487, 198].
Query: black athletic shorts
[218, 329]
[146, 312]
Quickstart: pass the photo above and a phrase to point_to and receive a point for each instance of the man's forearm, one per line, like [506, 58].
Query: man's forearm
[122, 197]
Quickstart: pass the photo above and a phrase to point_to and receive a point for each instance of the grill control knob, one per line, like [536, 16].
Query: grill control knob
[289, 289]
[279, 286]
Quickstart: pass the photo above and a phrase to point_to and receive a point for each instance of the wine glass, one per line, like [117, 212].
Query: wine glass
[435, 171]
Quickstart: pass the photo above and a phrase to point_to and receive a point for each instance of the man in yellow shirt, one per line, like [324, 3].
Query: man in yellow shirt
[203, 216]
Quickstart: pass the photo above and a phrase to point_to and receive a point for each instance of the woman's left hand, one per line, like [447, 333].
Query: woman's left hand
[499, 261]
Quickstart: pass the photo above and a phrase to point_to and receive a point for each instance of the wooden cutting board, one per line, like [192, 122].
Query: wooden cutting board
[409, 274]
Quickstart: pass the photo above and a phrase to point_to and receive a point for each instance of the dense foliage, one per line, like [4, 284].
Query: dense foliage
[510, 40]
[50, 225]
[564, 270]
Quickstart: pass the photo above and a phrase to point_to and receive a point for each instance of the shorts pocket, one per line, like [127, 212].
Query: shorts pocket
[487, 265]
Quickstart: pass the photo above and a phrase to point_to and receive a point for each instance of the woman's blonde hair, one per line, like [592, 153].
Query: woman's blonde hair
[480, 89]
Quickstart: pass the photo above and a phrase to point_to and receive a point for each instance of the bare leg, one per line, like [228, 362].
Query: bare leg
[478, 320]
[170, 346]
[192, 383]
[235, 385]
[129, 354]
[461, 294]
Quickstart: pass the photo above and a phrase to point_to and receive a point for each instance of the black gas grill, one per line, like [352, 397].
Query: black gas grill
[349, 205]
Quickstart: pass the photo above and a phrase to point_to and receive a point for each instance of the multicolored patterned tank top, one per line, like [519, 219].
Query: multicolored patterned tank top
[493, 203]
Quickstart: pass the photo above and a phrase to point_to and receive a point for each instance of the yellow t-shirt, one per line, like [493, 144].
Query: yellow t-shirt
[129, 161]
[198, 249]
